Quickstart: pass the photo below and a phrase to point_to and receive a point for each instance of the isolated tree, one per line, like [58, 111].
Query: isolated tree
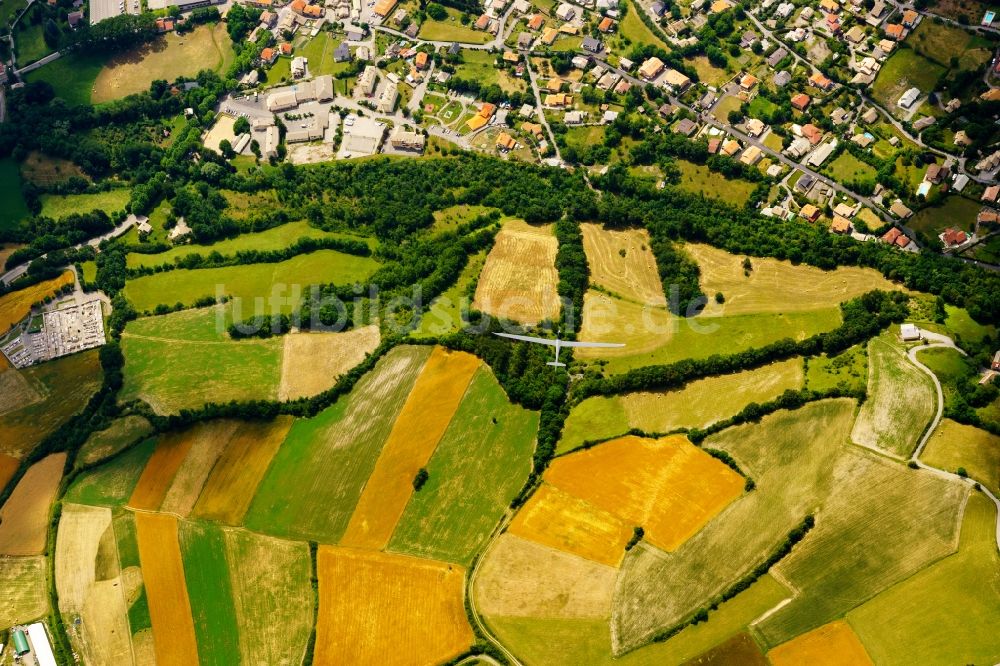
[51, 34]
[241, 126]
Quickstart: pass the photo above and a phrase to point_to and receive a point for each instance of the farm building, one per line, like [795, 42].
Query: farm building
[909, 332]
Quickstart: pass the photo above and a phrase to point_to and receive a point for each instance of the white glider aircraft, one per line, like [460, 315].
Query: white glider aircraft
[558, 344]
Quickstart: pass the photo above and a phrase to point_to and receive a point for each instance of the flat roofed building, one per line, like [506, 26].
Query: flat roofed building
[406, 140]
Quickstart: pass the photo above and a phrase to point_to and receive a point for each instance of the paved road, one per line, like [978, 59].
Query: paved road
[20, 270]
[938, 341]
[533, 79]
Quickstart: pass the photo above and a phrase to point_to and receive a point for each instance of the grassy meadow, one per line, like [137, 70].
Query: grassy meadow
[697, 405]
[937, 616]
[15, 208]
[61, 205]
[206, 571]
[275, 238]
[184, 359]
[287, 280]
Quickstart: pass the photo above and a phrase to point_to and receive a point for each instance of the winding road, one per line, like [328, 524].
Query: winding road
[937, 341]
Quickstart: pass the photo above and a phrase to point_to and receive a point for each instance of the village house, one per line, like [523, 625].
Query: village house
[810, 212]
[651, 69]
[952, 237]
[801, 101]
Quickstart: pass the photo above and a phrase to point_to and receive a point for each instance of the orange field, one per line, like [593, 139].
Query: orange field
[166, 589]
[24, 517]
[16, 305]
[8, 465]
[160, 471]
[378, 608]
[555, 518]
[519, 279]
[428, 410]
[621, 262]
[669, 487]
[234, 479]
[829, 645]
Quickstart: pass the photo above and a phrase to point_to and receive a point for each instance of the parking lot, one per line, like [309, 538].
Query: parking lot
[105, 9]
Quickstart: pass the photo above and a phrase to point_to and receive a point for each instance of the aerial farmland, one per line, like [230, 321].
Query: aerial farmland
[499, 333]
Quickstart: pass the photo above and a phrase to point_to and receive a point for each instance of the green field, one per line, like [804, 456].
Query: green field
[543, 641]
[184, 359]
[446, 311]
[633, 29]
[30, 42]
[702, 336]
[880, 524]
[940, 41]
[848, 368]
[89, 271]
[847, 168]
[275, 238]
[203, 549]
[111, 484]
[901, 401]
[15, 208]
[954, 445]
[317, 476]
[956, 211]
[699, 179]
[950, 367]
[61, 205]
[106, 443]
[939, 616]
[480, 463]
[905, 69]
[248, 282]
[697, 405]
[451, 30]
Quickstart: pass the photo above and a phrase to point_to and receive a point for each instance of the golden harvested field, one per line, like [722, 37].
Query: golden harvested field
[166, 589]
[65, 385]
[668, 486]
[24, 518]
[166, 57]
[16, 305]
[8, 465]
[208, 441]
[641, 328]
[24, 597]
[16, 392]
[377, 608]
[830, 645]
[90, 586]
[521, 578]
[231, 485]
[312, 362]
[153, 484]
[560, 520]
[519, 279]
[706, 401]
[621, 262]
[777, 286]
[272, 596]
[426, 414]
